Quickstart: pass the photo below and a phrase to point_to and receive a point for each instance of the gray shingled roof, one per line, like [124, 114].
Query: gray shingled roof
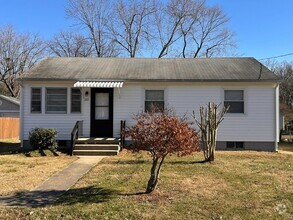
[150, 69]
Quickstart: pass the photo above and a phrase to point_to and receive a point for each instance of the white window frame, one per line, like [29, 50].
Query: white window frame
[154, 89]
[244, 100]
[81, 97]
[31, 99]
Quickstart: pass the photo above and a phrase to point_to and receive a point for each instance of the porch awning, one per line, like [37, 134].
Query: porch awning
[99, 84]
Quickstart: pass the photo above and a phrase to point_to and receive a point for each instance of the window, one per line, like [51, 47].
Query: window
[154, 99]
[234, 99]
[36, 100]
[235, 145]
[75, 101]
[56, 100]
[102, 106]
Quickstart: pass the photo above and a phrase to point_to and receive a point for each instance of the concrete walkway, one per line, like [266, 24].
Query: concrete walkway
[48, 192]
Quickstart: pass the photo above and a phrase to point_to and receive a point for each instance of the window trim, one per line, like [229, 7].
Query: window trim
[153, 89]
[46, 99]
[80, 112]
[31, 100]
[244, 101]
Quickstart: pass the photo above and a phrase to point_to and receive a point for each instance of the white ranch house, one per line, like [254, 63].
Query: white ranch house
[102, 92]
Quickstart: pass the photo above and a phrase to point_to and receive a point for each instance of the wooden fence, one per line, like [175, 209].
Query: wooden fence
[9, 128]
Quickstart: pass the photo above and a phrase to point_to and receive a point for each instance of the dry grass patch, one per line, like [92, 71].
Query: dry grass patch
[21, 173]
[239, 185]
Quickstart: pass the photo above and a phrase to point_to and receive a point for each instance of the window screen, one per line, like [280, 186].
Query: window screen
[75, 101]
[36, 100]
[56, 100]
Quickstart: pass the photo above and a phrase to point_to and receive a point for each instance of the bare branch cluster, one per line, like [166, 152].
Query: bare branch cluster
[180, 28]
[285, 72]
[93, 16]
[210, 119]
[18, 52]
[69, 44]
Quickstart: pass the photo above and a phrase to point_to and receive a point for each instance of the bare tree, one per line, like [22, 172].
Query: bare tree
[69, 44]
[198, 30]
[93, 16]
[130, 26]
[210, 119]
[168, 19]
[181, 28]
[208, 35]
[18, 52]
[285, 72]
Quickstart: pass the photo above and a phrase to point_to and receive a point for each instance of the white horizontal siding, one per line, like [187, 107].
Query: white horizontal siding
[63, 123]
[127, 102]
[257, 124]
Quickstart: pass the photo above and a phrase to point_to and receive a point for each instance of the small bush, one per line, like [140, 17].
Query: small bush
[43, 138]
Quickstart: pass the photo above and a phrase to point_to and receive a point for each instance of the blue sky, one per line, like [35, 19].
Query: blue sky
[264, 28]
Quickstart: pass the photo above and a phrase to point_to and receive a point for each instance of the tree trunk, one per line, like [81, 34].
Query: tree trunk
[155, 172]
[212, 156]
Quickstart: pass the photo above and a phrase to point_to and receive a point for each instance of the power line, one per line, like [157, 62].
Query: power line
[283, 55]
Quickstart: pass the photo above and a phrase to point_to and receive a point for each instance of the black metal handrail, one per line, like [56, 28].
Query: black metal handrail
[122, 135]
[75, 134]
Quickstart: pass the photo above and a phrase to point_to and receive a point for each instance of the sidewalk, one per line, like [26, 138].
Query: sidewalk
[55, 186]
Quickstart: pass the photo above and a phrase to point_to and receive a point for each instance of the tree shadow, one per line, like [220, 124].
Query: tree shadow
[27, 153]
[42, 153]
[185, 162]
[132, 162]
[53, 152]
[9, 148]
[59, 197]
[133, 194]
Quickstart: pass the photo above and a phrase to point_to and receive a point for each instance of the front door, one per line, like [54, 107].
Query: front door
[102, 112]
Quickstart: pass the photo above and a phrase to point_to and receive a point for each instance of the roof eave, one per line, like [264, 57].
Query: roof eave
[154, 80]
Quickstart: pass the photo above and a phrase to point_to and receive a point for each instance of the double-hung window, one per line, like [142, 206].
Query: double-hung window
[36, 100]
[56, 100]
[75, 100]
[154, 100]
[235, 100]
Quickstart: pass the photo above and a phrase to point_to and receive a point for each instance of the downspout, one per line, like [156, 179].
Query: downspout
[21, 121]
[277, 116]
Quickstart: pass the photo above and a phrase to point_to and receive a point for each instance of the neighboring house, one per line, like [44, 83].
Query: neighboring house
[9, 107]
[101, 92]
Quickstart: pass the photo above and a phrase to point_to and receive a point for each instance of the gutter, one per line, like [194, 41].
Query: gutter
[21, 115]
[277, 130]
[151, 80]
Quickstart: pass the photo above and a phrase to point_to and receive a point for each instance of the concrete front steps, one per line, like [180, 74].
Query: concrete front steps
[96, 146]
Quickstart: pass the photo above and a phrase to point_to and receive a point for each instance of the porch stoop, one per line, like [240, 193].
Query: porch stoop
[97, 146]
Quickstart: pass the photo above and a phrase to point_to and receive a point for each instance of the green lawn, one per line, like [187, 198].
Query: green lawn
[239, 185]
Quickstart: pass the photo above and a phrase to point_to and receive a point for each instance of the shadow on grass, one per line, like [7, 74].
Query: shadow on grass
[41, 153]
[186, 162]
[59, 197]
[286, 146]
[133, 194]
[54, 152]
[9, 148]
[132, 161]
